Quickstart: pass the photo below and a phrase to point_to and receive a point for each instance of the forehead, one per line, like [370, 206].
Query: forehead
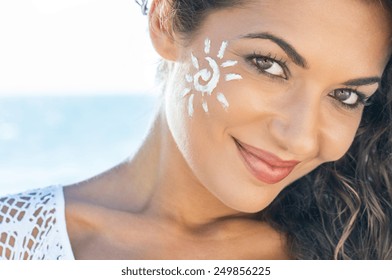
[349, 29]
[360, 14]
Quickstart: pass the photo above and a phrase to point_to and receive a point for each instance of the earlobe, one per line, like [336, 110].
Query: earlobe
[161, 32]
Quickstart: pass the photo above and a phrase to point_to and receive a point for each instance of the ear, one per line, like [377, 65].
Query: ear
[161, 31]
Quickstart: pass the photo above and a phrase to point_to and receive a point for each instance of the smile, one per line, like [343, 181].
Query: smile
[265, 166]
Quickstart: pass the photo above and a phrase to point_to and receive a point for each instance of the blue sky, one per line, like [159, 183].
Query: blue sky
[65, 139]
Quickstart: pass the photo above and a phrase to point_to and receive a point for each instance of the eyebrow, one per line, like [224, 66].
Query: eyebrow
[301, 61]
[287, 48]
[363, 81]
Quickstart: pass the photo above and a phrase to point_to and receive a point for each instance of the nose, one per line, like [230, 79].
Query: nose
[296, 126]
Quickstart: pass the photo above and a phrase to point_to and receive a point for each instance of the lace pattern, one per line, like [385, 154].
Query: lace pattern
[29, 225]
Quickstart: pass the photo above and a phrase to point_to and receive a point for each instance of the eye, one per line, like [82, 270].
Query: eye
[268, 65]
[349, 98]
[346, 96]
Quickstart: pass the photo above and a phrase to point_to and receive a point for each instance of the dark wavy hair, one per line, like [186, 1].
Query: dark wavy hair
[343, 209]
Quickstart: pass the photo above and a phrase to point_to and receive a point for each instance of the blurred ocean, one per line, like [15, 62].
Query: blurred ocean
[60, 140]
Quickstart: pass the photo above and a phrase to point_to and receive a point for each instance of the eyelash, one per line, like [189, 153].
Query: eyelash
[362, 98]
[269, 57]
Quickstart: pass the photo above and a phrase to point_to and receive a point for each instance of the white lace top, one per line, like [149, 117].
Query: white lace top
[32, 226]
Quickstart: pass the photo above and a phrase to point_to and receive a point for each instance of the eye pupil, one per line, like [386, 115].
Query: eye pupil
[268, 66]
[264, 63]
[342, 94]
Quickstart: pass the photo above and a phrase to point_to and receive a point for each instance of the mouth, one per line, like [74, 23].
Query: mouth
[265, 166]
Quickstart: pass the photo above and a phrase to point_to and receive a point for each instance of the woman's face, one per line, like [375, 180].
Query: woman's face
[265, 93]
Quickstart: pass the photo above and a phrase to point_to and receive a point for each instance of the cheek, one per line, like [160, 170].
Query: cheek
[193, 132]
[251, 109]
[207, 68]
[337, 137]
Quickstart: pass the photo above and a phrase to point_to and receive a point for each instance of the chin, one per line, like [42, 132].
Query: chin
[249, 206]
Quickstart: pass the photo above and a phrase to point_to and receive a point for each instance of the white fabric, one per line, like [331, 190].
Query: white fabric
[32, 226]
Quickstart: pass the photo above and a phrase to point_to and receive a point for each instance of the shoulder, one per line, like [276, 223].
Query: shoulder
[31, 224]
[262, 241]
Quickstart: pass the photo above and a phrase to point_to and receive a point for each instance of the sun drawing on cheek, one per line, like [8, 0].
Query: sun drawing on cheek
[205, 81]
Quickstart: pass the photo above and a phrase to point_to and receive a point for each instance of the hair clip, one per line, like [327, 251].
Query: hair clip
[143, 6]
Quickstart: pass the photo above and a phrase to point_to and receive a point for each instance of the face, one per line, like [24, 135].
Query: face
[260, 100]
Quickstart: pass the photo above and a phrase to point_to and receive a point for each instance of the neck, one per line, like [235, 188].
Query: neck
[167, 188]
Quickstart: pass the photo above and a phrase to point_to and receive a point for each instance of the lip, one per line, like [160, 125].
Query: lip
[265, 166]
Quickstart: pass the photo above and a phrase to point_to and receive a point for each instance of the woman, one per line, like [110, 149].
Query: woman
[272, 142]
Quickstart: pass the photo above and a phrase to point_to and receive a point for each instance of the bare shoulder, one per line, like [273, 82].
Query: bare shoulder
[91, 203]
[96, 205]
[260, 240]
[273, 244]
[115, 189]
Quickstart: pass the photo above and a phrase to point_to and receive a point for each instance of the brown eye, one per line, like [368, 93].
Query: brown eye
[270, 66]
[263, 63]
[346, 96]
